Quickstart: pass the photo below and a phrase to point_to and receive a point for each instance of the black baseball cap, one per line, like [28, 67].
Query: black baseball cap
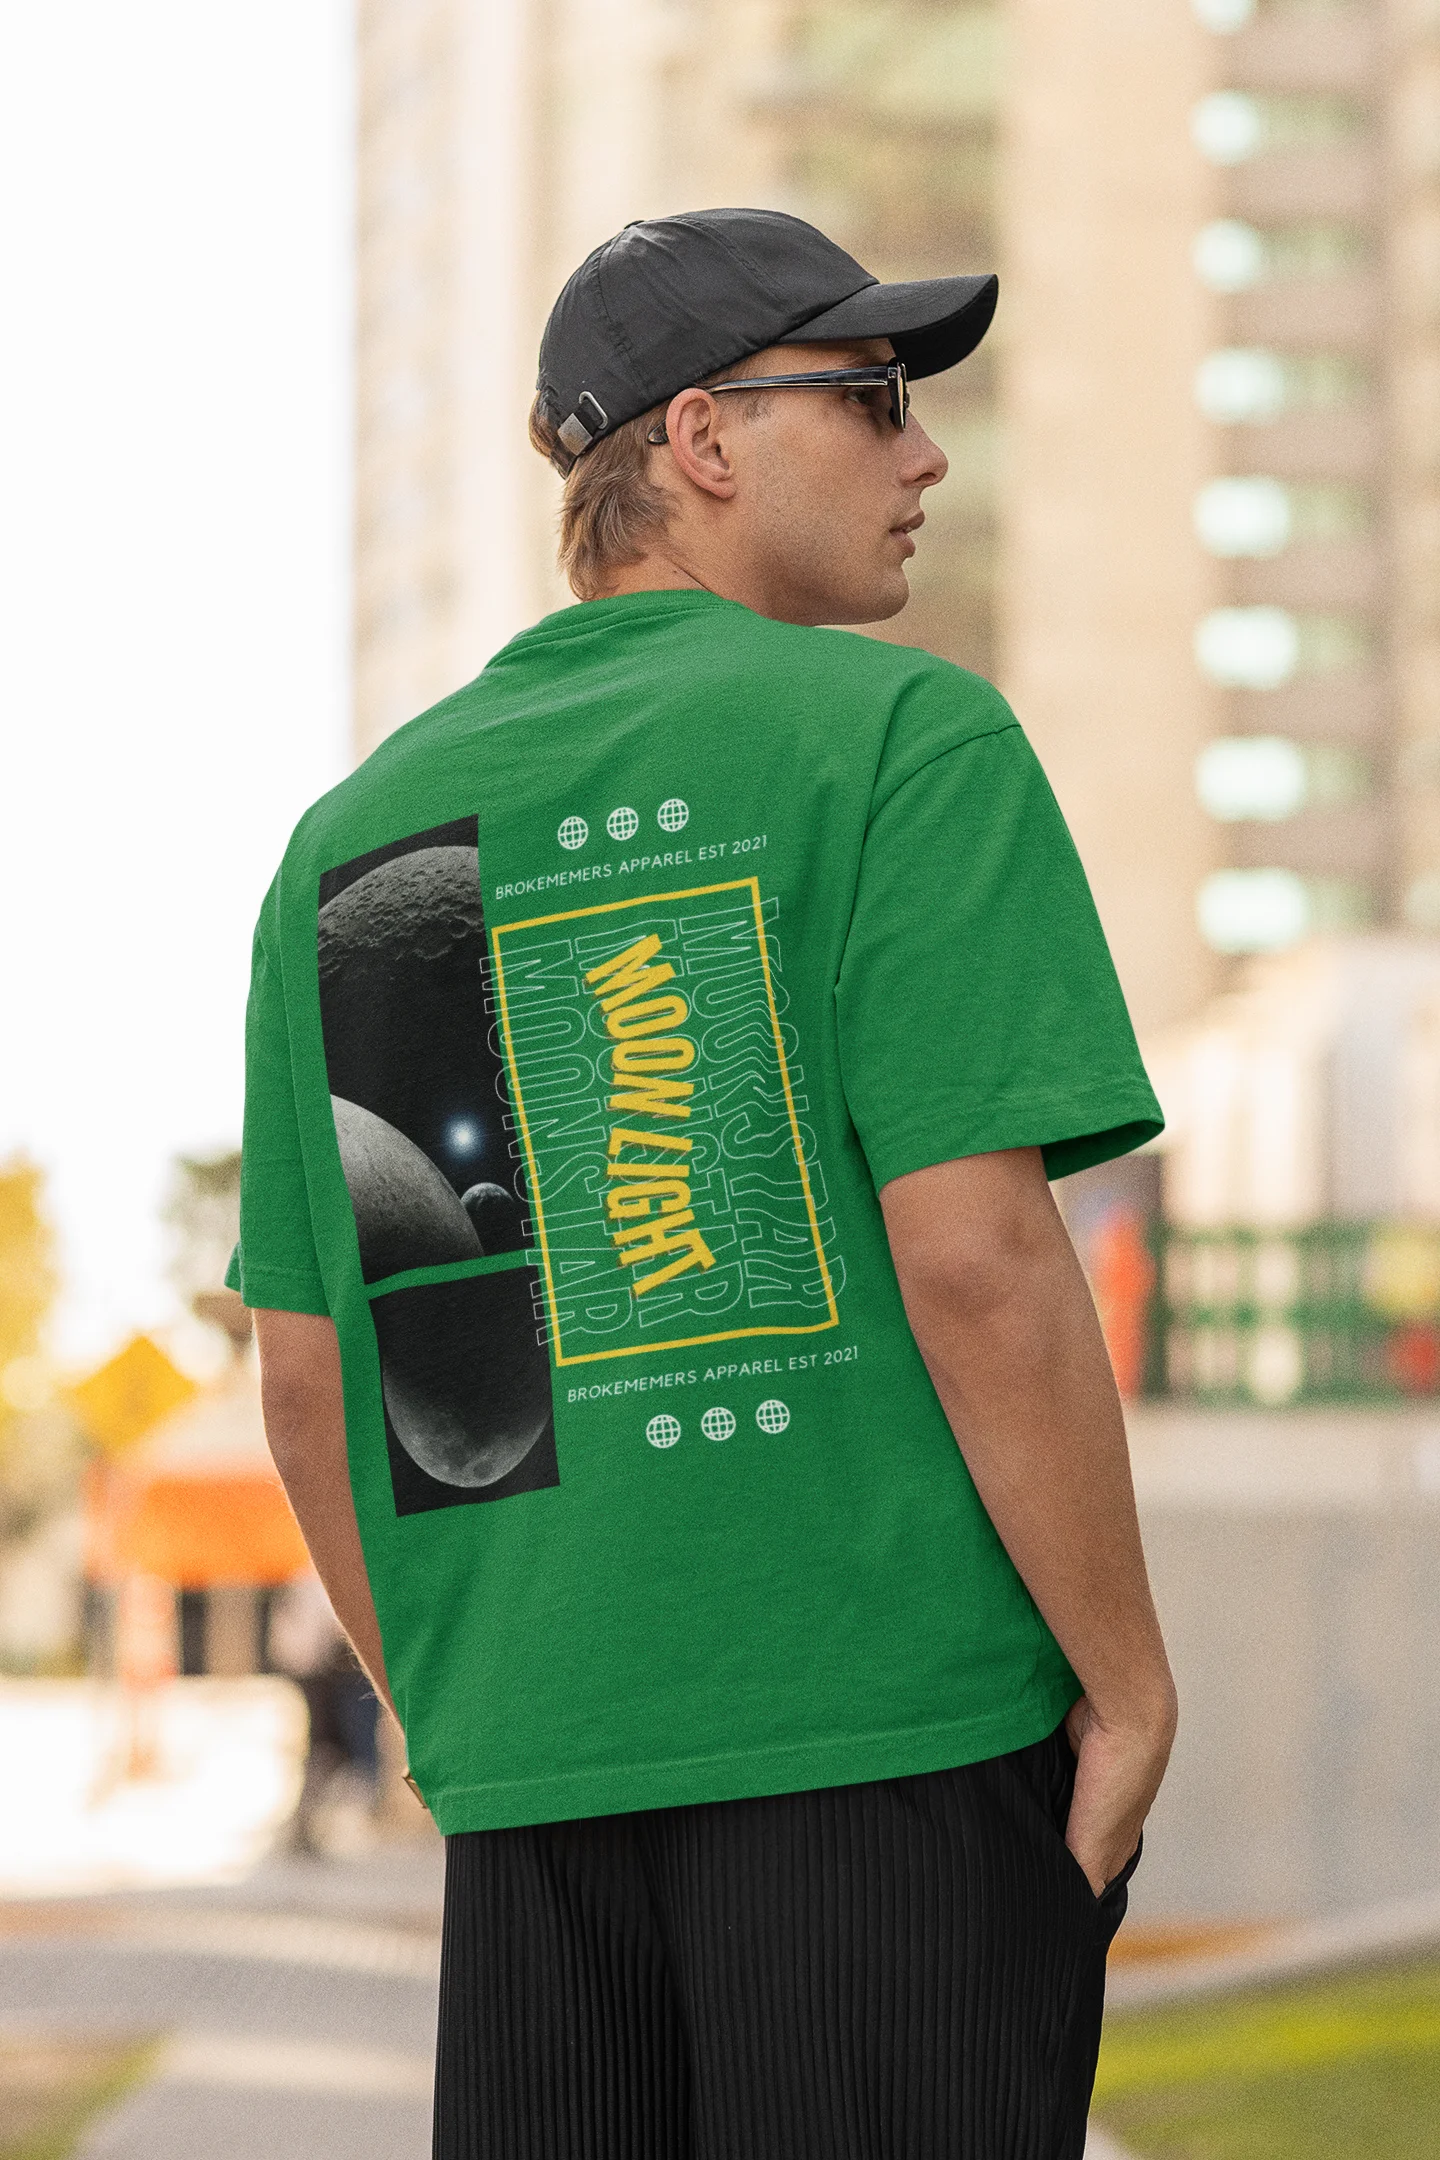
[672, 299]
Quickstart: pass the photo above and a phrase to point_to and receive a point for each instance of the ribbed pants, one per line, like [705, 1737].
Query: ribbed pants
[912, 1969]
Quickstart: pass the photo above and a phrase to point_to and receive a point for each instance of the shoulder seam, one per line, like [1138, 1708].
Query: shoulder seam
[1001, 727]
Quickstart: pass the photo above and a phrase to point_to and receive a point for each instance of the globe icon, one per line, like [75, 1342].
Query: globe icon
[622, 824]
[673, 814]
[663, 1431]
[773, 1415]
[573, 833]
[718, 1424]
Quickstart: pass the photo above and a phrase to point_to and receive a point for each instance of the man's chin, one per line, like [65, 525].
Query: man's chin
[886, 599]
[874, 602]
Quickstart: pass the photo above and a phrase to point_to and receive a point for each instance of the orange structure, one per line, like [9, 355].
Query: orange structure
[1122, 1279]
[193, 1499]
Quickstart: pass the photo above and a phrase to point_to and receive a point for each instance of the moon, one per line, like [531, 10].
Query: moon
[402, 1000]
[497, 1216]
[406, 1213]
[465, 1382]
[416, 907]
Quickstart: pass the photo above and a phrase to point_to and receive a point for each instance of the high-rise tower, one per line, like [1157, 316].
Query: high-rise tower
[1322, 262]
[1223, 590]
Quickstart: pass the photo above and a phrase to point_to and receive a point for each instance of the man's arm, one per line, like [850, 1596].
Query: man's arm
[1004, 1321]
[304, 1410]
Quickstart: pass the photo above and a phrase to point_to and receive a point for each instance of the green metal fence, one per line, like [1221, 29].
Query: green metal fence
[1337, 1312]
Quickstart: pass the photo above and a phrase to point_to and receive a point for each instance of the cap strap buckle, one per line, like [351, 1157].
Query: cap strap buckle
[574, 433]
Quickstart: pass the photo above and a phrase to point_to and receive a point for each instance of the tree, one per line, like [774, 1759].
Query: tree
[39, 1448]
[28, 1282]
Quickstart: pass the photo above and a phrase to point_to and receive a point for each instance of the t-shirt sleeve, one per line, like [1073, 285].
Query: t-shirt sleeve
[275, 1264]
[978, 1005]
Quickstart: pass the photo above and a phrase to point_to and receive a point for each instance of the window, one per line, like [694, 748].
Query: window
[1229, 127]
[1257, 516]
[1243, 517]
[1266, 778]
[1251, 776]
[1248, 648]
[1231, 256]
[1248, 386]
[1261, 648]
[1224, 17]
[1254, 911]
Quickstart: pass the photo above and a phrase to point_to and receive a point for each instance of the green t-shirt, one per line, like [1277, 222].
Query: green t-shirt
[635, 969]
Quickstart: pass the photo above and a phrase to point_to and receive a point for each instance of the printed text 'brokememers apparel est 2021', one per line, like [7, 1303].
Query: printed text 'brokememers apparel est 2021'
[588, 1018]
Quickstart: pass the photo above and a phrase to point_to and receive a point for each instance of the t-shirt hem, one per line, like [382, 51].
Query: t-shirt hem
[755, 1773]
[277, 1290]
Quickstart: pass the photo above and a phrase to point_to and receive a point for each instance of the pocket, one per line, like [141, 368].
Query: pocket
[1114, 1900]
[1121, 1881]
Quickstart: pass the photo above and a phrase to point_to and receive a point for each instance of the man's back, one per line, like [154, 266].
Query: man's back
[643, 962]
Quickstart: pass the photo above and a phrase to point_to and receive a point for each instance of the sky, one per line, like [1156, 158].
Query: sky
[175, 394]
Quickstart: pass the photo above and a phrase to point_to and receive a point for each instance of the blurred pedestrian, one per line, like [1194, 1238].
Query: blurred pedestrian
[707, 997]
[306, 1642]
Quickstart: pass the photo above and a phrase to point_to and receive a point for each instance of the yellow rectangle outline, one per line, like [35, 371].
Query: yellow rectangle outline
[612, 907]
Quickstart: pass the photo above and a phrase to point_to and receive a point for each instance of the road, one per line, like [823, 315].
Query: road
[295, 2013]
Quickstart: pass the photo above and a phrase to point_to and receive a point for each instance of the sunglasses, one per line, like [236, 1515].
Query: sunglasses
[887, 375]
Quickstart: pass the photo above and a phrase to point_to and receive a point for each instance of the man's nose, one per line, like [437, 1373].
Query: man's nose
[923, 462]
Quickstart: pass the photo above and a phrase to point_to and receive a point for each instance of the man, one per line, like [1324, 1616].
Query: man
[705, 997]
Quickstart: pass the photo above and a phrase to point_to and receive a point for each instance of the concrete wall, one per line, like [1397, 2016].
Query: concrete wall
[1296, 1563]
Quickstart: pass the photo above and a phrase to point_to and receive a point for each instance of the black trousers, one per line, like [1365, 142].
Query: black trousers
[912, 1969]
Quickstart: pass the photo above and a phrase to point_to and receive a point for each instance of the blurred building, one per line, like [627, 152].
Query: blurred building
[1223, 233]
[187, 1528]
[1105, 325]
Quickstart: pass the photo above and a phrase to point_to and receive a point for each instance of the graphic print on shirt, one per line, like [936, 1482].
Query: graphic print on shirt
[677, 1194]
[420, 1105]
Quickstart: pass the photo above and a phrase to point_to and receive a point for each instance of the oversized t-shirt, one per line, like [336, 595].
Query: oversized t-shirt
[589, 1017]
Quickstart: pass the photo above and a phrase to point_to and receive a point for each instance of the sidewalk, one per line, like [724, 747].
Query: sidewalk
[294, 2012]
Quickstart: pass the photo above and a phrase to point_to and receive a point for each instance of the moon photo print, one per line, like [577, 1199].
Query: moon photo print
[418, 1092]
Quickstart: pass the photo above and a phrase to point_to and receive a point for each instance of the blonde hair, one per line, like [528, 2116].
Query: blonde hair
[612, 508]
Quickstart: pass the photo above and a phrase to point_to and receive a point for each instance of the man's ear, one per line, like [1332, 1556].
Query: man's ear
[693, 426]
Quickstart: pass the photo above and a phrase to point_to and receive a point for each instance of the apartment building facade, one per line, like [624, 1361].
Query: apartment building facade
[1223, 580]
[1323, 265]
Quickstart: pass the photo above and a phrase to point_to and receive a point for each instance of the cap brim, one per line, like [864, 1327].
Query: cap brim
[931, 322]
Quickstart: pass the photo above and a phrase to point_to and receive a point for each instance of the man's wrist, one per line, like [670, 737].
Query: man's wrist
[1146, 1708]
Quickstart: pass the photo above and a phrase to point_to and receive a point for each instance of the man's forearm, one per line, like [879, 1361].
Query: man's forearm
[1014, 1348]
[304, 1408]
[1003, 1318]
